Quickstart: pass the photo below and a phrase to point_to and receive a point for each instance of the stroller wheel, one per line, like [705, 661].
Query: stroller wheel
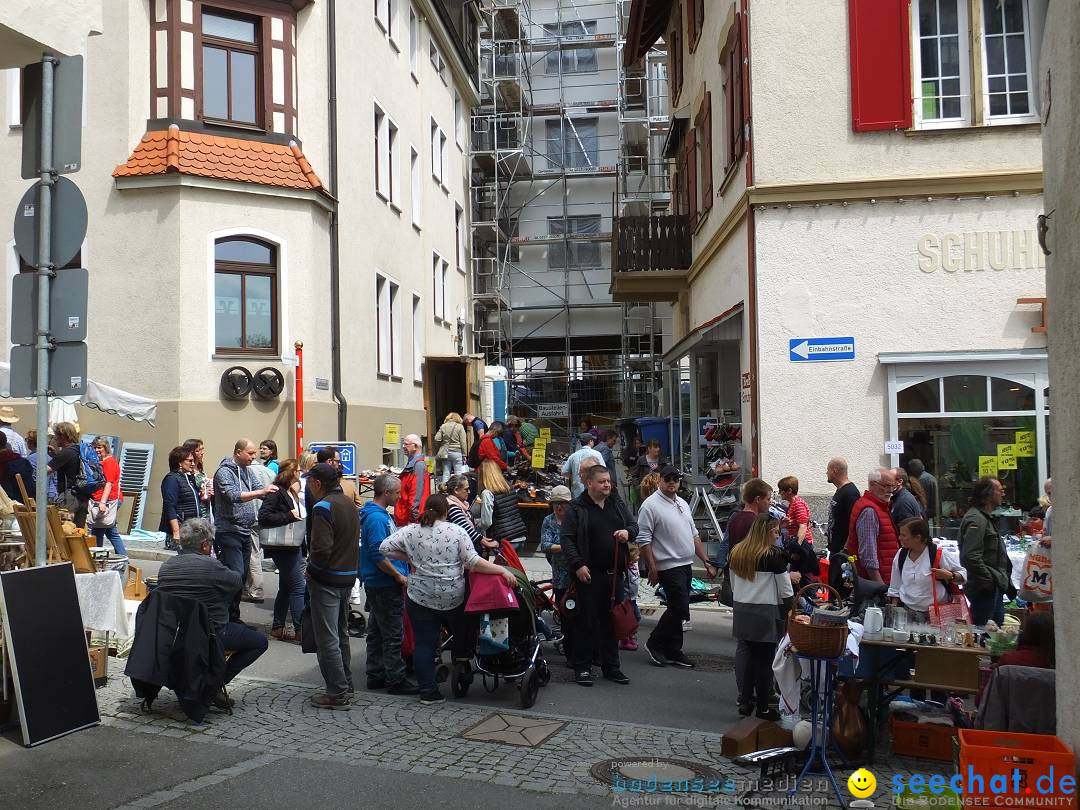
[543, 672]
[442, 673]
[462, 680]
[529, 686]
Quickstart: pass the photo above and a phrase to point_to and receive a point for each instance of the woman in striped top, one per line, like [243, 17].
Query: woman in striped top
[457, 494]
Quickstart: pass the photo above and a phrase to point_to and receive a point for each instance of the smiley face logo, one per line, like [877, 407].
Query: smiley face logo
[862, 783]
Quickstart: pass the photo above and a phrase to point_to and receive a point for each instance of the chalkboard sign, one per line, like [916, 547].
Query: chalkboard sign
[46, 643]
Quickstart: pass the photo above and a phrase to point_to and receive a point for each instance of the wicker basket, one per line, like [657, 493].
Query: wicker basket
[816, 641]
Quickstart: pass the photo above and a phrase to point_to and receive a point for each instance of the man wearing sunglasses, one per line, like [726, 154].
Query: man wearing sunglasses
[669, 542]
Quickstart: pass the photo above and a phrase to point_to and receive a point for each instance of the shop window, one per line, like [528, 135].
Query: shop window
[1006, 395]
[231, 66]
[924, 397]
[245, 296]
[965, 393]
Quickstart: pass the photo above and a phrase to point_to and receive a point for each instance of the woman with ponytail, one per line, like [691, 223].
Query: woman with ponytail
[440, 553]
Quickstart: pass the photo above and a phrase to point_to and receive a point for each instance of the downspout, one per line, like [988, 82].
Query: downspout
[335, 251]
[751, 255]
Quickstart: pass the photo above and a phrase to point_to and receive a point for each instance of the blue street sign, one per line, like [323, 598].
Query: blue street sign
[816, 350]
[347, 451]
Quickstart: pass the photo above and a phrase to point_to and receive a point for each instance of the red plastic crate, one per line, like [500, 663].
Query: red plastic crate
[993, 753]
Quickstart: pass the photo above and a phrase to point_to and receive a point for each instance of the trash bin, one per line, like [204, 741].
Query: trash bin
[656, 427]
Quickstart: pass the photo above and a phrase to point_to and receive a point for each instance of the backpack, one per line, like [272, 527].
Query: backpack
[91, 477]
[931, 547]
[473, 458]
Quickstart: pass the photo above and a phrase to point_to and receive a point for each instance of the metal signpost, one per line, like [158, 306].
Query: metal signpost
[49, 228]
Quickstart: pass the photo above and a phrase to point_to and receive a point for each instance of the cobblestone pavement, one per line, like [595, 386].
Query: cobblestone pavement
[274, 719]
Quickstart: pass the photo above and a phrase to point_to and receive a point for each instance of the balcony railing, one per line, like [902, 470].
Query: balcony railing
[651, 243]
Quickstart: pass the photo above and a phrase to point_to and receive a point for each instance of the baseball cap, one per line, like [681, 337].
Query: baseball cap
[559, 494]
[669, 470]
[324, 473]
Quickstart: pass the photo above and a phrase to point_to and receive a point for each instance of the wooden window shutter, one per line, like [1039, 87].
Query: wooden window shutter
[700, 17]
[738, 109]
[691, 24]
[880, 54]
[691, 176]
[678, 205]
[705, 125]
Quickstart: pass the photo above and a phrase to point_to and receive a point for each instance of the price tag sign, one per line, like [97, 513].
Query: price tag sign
[545, 435]
[988, 466]
[431, 465]
[1006, 456]
[1025, 444]
[391, 435]
[894, 448]
[539, 454]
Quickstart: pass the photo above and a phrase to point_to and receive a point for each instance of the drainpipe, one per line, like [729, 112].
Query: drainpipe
[335, 254]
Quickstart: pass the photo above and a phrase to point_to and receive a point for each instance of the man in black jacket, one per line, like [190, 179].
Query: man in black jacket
[194, 574]
[594, 537]
[333, 559]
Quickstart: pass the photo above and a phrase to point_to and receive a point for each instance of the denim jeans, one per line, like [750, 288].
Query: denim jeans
[667, 636]
[384, 633]
[426, 624]
[593, 634]
[290, 593]
[114, 537]
[986, 605]
[453, 464]
[234, 551]
[330, 621]
[245, 644]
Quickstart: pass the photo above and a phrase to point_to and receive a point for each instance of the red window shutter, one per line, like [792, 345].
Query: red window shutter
[738, 118]
[691, 175]
[880, 52]
[705, 124]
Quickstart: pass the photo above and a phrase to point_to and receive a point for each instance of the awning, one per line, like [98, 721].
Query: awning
[98, 396]
[723, 327]
[648, 19]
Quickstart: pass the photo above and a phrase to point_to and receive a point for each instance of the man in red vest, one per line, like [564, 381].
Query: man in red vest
[872, 535]
[415, 482]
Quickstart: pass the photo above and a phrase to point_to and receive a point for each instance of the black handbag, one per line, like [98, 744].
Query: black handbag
[727, 596]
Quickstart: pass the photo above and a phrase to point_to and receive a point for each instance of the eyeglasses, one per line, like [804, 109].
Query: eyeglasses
[670, 478]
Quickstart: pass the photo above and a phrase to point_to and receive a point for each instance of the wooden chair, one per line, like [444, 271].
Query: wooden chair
[136, 502]
[26, 499]
[57, 552]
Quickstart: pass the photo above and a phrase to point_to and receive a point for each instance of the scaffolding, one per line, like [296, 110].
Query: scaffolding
[562, 130]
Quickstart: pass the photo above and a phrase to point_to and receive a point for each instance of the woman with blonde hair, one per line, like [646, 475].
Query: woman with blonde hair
[500, 518]
[760, 585]
[452, 446]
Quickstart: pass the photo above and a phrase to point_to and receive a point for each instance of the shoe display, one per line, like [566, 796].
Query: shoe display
[616, 676]
[680, 660]
[583, 678]
[431, 697]
[403, 687]
[658, 658]
[321, 700]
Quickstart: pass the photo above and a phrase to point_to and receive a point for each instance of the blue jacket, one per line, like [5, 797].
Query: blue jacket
[376, 525]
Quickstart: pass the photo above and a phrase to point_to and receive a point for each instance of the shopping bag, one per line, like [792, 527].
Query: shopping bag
[291, 535]
[1037, 584]
[104, 518]
[408, 639]
[941, 613]
[489, 592]
[494, 635]
[623, 621]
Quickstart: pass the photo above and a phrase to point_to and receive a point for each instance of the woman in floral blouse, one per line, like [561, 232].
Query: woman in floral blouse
[439, 553]
[551, 545]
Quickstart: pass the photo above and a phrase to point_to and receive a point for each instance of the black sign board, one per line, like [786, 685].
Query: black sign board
[67, 229]
[46, 644]
[67, 117]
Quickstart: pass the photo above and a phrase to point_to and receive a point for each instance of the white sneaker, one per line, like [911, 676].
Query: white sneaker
[687, 626]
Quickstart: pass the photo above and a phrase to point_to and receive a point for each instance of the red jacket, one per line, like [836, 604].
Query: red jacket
[489, 450]
[888, 544]
[415, 489]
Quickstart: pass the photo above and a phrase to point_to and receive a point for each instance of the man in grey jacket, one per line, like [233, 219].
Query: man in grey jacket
[234, 512]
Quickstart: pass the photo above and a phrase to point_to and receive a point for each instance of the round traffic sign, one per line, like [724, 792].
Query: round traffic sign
[68, 223]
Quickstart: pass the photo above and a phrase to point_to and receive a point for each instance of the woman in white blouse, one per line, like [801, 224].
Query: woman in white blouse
[439, 552]
[920, 565]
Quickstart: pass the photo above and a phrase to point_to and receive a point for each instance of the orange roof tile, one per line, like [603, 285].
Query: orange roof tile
[222, 158]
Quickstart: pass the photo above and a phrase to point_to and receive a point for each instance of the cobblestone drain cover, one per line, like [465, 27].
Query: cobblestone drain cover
[513, 729]
[647, 769]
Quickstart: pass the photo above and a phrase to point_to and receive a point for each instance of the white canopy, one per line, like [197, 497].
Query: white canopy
[98, 396]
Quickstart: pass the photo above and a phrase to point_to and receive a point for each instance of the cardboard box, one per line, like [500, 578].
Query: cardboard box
[941, 666]
[741, 738]
[99, 662]
[922, 740]
[771, 735]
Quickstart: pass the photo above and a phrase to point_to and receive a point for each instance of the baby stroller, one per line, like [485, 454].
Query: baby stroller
[508, 647]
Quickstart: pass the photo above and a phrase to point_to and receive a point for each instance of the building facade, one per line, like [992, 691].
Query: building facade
[866, 196]
[262, 172]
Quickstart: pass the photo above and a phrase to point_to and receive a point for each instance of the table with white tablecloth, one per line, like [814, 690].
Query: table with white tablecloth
[101, 600]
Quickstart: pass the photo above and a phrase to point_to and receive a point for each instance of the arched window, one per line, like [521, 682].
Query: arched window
[245, 296]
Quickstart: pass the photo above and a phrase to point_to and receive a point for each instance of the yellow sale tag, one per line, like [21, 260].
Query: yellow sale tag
[988, 466]
[1006, 456]
[539, 455]
[545, 434]
[391, 435]
[431, 465]
[1025, 443]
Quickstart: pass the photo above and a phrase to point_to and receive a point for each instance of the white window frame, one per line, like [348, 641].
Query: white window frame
[14, 97]
[414, 42]
[442, 160]
[438, 287]
[459, 237]
[380, 169]
[394, 189]
[387, 302]
[459, 119]
[1032, 58]
[382, 14]
[417, 197]
[437, 151]
[386, 174]
[418, 336]
[392, 18]
[444, 277]
[436, 58]
[963, 25]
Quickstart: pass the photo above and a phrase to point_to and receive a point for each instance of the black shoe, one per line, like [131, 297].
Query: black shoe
[583, 678]
[658, 658]
[769, 714]
[403, 687]
[430, 697]
[616, 676]
[375, 683]
[680, 660]
[746, 709]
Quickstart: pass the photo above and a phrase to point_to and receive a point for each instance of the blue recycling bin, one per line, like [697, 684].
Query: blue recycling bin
[656, 427]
